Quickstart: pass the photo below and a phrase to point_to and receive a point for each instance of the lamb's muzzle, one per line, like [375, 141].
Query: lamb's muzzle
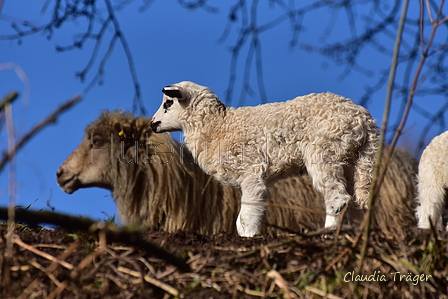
[154, 125]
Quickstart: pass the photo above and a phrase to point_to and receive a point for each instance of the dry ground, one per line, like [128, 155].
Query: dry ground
[66, 263]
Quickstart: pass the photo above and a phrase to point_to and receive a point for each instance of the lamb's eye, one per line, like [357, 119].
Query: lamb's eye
[167, 104]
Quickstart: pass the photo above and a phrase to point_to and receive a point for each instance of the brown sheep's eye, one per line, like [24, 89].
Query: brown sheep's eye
[167, 104]
[97, 141]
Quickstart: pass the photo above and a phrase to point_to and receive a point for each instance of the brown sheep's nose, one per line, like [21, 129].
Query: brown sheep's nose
[60, 172]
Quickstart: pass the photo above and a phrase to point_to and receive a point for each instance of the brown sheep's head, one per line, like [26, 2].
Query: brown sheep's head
[105, 139]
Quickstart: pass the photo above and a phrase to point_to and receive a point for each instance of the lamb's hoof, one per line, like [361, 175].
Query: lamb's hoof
[247, 234]
[255, 236]
[424, 231]
[248, 231]
[328, 236]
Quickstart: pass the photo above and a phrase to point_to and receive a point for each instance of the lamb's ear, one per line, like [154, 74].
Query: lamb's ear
[173, 91]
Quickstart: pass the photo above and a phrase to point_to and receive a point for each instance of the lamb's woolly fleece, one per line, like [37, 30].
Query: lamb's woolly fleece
[331, 137]
[432, 183]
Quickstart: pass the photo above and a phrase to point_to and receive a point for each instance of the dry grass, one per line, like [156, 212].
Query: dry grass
[62, 264]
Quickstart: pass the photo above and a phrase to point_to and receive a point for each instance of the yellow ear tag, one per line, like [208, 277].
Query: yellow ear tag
[121, 133]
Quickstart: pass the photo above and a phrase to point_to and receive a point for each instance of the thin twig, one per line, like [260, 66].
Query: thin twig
[167, 288]
[415, 83]
[11, 191]
[85, 262]
[61, 287]
[36, 129]
[125, 235]
[138, 96]
[376, 181]
[42, 254]
[281, 283]
[49, 274]
[29, 289]
[321, 293]
[8, 99]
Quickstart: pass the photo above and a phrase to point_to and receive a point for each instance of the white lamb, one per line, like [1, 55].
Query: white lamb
[432, 183]
[327, 135]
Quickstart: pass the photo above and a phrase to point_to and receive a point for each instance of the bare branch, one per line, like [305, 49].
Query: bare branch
[8, 99]
[369, 23]
[377, 178]
[7, 155]
[138, 101]
[11, 186]
[414, 86]
[84, 11]
[192, 5]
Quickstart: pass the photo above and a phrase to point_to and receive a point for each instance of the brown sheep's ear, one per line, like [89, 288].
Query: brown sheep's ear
[123, 130]
[173, 91]
[143, 125]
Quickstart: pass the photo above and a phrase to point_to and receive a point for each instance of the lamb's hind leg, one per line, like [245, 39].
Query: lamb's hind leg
[254, 192]
[430, 203]
[329, 179]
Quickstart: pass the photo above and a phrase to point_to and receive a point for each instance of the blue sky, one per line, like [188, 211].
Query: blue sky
[169, 44]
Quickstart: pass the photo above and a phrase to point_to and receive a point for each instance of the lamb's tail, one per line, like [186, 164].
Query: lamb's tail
[365, 165]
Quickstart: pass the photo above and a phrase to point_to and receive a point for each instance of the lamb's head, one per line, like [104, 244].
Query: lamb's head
[178, 102]
[105, 139]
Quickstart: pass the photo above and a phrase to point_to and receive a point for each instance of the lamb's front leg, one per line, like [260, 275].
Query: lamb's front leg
[254, 192]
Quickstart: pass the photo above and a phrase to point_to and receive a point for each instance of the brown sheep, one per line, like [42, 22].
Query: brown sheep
[159, 185]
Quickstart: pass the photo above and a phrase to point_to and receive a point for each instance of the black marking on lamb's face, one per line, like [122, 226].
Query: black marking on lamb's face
[167, 104]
